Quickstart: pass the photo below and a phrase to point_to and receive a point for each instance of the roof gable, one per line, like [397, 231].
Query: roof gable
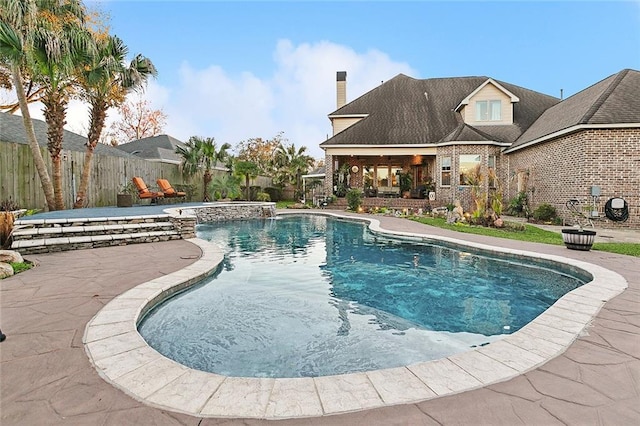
[614, 100]
[491, 81]
[405, 110]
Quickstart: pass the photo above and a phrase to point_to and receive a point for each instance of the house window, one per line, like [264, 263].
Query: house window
[367, 177]
[488, 111]
[469, 169]
[395, 180]
[383, 176]
[387, 176]
[445, 171]
[492, 171]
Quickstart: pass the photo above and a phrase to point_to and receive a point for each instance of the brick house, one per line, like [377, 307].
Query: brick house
[439, 131]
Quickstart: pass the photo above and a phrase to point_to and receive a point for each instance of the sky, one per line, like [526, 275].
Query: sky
[240, 70]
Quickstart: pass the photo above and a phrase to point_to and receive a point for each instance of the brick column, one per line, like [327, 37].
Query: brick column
[328, 177]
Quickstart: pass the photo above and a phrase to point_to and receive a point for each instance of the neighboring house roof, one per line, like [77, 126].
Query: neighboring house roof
[405, 110]
[614, 100]
[315, 173]
[155, 148]
[12, 130]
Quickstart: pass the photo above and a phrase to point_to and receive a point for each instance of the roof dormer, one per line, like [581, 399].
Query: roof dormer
[490, 104]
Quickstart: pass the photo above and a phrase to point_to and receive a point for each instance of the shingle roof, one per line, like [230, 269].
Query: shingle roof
[161, 147]
[12, 130]
[316, 172]
[616, 99]
[468, 133]
[405, 110]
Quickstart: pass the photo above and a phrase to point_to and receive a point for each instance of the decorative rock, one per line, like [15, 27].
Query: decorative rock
[10, 256]
[5, 270]
[457, 215]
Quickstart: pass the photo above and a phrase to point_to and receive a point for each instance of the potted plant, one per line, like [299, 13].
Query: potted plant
[430, 188]
[406, 181]
[124, 198]
[578, 238]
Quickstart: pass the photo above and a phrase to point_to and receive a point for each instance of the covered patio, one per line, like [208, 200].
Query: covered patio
[380, 175]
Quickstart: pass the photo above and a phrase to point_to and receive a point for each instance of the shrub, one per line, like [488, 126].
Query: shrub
[8, 206]
[544, 212]
[6, 229]
[496, 204]
[354, 199]
[518, 206]
[263, 196]
[225, 186]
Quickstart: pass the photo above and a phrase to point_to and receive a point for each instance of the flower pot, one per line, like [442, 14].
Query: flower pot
[124, 200]
[578, 239]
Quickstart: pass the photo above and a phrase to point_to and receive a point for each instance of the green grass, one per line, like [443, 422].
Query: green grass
[525, 232]
[629, 249]
[20, 266]
[285, 204]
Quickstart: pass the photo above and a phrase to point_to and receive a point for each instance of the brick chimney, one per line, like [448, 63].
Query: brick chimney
[341, 88]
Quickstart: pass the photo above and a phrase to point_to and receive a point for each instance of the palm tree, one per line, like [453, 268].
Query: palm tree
[249, 170]
[202, 154]
[18, 20]
[292, 164]
[226, 185]
[61, 42]
[106, 81]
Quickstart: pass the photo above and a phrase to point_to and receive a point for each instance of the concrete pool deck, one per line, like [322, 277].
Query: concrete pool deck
[47, 378]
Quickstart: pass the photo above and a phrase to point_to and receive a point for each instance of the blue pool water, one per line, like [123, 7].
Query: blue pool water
[309, 296]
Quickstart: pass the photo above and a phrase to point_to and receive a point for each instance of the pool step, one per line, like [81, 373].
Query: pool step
[52, 235]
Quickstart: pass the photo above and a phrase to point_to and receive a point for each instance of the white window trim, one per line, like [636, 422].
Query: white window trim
[490, 110]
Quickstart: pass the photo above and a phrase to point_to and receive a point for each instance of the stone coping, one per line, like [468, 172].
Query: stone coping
[59, 221]
[88, 228]
[123, 358]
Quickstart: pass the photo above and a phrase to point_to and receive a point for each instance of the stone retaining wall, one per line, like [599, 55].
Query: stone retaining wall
[76, 234]
[231, 211]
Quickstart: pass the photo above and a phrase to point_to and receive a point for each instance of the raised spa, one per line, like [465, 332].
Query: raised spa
[307, 296]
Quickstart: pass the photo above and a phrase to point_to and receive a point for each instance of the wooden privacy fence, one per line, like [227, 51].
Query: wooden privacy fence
[19, 180]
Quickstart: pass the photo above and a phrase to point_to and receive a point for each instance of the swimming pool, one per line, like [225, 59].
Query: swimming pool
[310, 296]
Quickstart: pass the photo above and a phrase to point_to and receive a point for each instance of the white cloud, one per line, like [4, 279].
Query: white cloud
[211, 103]
[296, 98]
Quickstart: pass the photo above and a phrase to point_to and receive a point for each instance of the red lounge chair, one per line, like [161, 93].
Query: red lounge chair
[144, 192]
[168, 190]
